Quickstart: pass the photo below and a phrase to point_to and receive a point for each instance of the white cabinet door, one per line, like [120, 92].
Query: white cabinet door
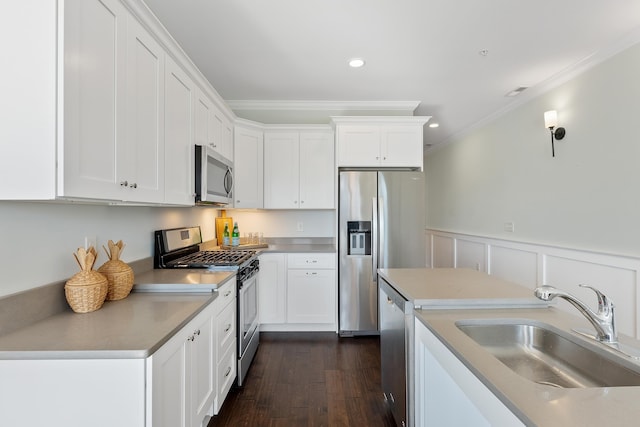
[183, 374]
[401, 146]
[447, 393]
[94, 94]
[317, 170]
[299, 170]
[358, 145]
[203, 128]
[142, 155]
[225, 360]
[281, 170]
[201, 357]
[248, 168]
[311, 296]
[179, 139]
[227, 139]
[380, 141]
[170, 387]
[272, 289]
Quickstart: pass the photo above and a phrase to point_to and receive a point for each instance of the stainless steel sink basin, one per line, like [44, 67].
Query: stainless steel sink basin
[546, 355]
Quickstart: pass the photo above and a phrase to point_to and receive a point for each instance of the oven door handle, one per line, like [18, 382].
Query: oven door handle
[228, 181]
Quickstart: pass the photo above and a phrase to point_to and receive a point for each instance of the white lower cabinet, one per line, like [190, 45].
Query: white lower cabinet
[447, 393]
[182, 374]
[226, 361]
[297, 292]
[272, 281]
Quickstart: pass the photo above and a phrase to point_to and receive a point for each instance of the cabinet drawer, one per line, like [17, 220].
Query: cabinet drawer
[226, 324]
[226, 376]
[226, 293]
[311, 260]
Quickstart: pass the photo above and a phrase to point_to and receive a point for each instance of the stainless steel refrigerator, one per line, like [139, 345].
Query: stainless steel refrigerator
[381, 217]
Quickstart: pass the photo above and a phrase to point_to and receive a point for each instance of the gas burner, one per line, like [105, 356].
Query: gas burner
[205, 259]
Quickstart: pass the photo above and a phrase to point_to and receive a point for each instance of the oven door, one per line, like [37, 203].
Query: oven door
[247, 311]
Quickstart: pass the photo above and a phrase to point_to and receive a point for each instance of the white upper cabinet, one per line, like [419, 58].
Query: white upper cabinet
[143, 156]
[299, 169]
[179, 136]
[248, 167]
[107, 109]
[212, 127]
[385, 142]
[94, 98]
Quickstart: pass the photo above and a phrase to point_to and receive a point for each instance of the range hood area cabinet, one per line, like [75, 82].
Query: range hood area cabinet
[380, 142]
[299, 168]
[120, 130]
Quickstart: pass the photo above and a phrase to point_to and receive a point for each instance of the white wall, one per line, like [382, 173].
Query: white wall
[38, 239]
[584, 198]
[284, 223]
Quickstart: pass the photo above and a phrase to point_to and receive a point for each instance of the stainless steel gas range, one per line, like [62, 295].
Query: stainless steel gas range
[179, 248]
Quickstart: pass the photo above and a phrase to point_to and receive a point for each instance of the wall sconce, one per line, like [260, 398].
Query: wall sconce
[550, 122]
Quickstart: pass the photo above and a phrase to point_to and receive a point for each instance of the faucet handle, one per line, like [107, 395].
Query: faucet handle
[604, 303]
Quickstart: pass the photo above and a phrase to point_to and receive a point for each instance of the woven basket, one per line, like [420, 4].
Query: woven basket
[86, 290]
[118, 273]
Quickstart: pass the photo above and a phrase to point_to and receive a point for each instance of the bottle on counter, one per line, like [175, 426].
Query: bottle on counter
[225, 235]
[235, 235]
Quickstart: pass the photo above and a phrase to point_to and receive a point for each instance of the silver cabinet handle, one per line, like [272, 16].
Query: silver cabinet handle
[227, 328]
[389, 300]
[313, 273]
[226, 374]
[191, 338]
[124, 184]
[227, 293]
[197, 332]
[133, 185]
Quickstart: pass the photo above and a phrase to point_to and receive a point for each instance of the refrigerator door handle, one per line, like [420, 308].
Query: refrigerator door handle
[374, 242]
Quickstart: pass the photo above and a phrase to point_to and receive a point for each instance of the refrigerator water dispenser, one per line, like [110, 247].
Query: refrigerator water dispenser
[359, 237]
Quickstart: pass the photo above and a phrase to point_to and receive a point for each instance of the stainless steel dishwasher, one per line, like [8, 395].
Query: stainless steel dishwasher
[393, 350]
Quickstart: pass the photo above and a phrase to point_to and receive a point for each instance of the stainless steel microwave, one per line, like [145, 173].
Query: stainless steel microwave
[214, 177]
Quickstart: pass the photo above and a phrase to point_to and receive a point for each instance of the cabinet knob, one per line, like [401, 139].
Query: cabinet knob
[124, 183]
[197, 332]
[228, 327]
[237, 201]
[191, 338]
[226, 374]
[133, 185]
[227, 293]
[301, 201]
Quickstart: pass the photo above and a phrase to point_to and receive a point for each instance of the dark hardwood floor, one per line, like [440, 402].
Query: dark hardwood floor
[309, 379]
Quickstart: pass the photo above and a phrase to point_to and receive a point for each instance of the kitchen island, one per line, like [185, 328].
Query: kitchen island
[457, 382]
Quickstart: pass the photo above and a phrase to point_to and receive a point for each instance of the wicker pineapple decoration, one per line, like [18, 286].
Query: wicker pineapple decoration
[118, 273]
[86, 290]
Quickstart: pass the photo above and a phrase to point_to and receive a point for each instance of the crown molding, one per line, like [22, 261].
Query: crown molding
[408, 106]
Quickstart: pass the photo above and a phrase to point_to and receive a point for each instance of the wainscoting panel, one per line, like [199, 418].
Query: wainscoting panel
[470, 254]
[533, 265]
[514, 264]
[617, 283]
[443, 251]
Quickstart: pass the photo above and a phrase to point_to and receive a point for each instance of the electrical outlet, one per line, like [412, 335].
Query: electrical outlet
[509, 227]
[300, 226]
[90, 241]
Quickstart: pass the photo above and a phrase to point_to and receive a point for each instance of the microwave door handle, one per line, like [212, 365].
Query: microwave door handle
[228, 181]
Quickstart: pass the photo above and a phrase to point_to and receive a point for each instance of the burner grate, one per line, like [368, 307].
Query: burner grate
[215, 258]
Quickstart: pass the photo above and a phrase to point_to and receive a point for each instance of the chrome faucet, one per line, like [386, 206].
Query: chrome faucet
[603, 320]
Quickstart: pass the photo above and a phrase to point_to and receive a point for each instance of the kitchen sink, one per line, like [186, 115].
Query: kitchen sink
[548, 356]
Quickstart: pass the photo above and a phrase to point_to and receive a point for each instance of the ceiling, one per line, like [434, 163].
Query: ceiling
[285, 61]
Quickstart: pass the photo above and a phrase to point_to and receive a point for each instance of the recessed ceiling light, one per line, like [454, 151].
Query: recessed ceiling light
[434, 125]
[356, 62]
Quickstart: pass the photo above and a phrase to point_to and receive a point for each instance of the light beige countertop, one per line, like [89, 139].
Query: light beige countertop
[536, 404]
[134, 327]
[299, 248]
[457, 287]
